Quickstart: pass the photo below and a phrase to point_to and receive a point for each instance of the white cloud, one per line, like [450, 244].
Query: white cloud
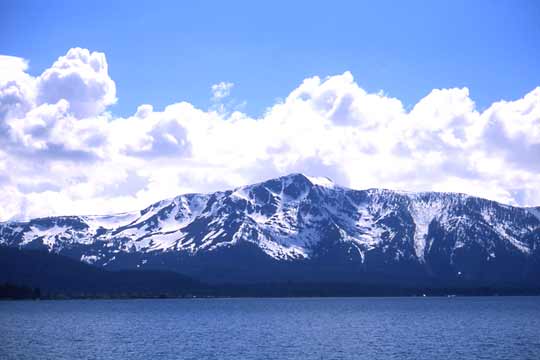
[81, 78]
[221, 90]
[17, 93]
[62, 153]
[11, 65]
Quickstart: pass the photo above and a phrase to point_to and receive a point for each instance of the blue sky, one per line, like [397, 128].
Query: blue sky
[109, 106]
[161, 52]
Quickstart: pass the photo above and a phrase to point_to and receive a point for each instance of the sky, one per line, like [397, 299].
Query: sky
[110, 106]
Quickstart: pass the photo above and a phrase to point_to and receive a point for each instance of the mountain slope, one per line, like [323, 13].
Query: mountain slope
[299, 227]
[57, 275]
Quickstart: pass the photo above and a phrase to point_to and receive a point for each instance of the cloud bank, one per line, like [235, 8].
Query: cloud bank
[61, 152]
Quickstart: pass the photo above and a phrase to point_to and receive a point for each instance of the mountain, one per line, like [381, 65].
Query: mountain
[56, 275]
[300, 228]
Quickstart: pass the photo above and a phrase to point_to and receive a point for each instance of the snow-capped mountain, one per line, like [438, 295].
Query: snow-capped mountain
[300, 227]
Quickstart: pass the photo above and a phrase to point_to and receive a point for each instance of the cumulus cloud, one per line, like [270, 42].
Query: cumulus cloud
[221, 100]
[166, 138]
[61, 152]
[16, 87]
[81, 78]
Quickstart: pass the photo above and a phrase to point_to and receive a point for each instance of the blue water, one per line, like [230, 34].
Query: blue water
[340, 328]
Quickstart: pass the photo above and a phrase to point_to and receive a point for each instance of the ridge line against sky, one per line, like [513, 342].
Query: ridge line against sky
[62, 152]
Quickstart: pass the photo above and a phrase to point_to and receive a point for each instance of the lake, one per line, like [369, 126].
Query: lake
[293, 328]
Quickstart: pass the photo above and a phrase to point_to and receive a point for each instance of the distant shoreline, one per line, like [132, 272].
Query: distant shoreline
[269, 292]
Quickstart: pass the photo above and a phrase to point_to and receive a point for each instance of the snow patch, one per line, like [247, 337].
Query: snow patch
[321, 181]
[89, 259]
[423, 213]
[110, 221]
[48, 235]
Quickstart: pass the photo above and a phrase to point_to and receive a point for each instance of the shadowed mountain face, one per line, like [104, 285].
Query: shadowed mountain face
[301, 228]
[57, 275]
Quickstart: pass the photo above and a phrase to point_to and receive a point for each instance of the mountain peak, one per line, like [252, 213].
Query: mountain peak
[313, 180]
[321, 181]
[298, 217]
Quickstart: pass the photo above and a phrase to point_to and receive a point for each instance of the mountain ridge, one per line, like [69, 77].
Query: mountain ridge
[295, 222]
